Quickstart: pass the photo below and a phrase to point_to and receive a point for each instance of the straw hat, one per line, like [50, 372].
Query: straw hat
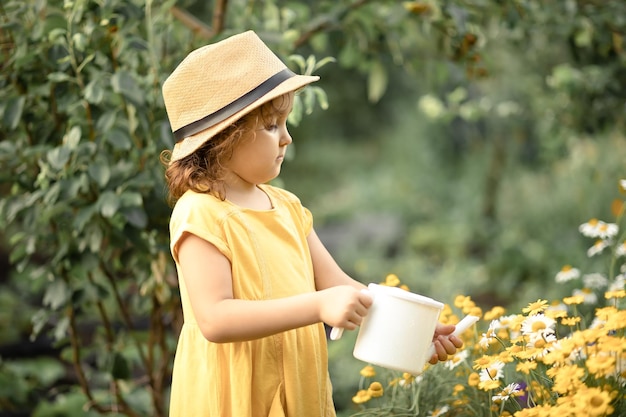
[217, 84]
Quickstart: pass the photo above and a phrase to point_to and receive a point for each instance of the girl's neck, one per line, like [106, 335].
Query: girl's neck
[248, 196]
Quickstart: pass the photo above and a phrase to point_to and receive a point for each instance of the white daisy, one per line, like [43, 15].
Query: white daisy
[618, 284]
[567, 273]
[485, 341]
[557, 307]
[492, 372]
[607, 230]
[598, 229]
[595, 280]
[598, 247]
[539, 325]
[622, 184]
[589, 297]
[620, 250]
[457, 359]
[589, 228]
[507, 392]
[439, 411]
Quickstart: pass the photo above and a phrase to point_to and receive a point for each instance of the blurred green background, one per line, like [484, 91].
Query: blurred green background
[462, 145]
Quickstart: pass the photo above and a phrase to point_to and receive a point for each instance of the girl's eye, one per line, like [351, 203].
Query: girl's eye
[271, 127]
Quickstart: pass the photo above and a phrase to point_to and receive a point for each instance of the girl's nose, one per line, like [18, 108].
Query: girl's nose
[285, 137]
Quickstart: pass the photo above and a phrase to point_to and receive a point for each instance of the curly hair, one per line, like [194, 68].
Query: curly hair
[203, 170]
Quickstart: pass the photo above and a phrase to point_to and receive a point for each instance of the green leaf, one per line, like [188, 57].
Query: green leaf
[300, 62]
[106, 121]
[108, 203]
[322, 98]
[100, 172]
[94, 93]
[13, 112]
[58, 77]
[58, 157]
[94, 238]
[80, 41]
[57, 294]
[119, 367]
[82, 217]
[136, 216]
[72, 138]
[376, 82]
[119, 139]
[131, 199]
[60, 329]
[123, 83]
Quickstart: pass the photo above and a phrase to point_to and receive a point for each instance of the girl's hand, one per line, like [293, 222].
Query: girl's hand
[445, 343]
[343, 306]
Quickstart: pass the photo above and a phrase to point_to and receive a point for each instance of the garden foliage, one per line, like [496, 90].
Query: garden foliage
[565, 358]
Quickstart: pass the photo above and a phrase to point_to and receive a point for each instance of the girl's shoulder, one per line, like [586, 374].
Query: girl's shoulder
[280, 194]
[193, 201]
[191, 198]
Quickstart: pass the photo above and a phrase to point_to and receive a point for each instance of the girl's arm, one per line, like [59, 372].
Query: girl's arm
[328, 274]
[222, 318]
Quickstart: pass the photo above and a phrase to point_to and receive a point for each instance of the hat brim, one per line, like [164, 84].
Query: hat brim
[191, 143]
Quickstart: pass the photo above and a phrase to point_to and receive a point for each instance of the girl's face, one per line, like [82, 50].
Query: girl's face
[258, 157]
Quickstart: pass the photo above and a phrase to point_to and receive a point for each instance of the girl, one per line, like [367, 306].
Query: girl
[256, 283]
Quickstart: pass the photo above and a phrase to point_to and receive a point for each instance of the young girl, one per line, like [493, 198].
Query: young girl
[256, 283]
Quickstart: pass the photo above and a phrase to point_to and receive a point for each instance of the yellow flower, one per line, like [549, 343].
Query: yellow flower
[473, 380]
[361, 397]
[567, 378]
[601, 365]
[368, 372]
[526, 366]
[461, 300]
[576, 299]
[616, 321]
[483, 362]
[474, 311]
[595, 402]
[495, 313]
[375, 390]
[612, 344]
[489, 384]
[391, 280]
[615, 294]
[407, 378]
[570, 321]
[536, 307]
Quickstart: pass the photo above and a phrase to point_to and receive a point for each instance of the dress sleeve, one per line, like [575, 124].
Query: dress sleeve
[197, 214]
[307, 220]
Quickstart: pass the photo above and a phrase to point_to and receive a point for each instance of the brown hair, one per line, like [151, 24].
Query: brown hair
[203, 170]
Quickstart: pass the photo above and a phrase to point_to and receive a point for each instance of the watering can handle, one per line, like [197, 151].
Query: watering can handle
[461, 326]
[337, 332]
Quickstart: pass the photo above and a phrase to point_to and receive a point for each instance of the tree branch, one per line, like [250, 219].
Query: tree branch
[197, 26]
[326, 23]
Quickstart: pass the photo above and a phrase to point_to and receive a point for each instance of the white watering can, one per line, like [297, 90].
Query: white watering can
[398, 331]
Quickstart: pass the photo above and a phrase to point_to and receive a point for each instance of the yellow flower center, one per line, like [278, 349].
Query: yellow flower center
[596, 401]
[538, 325]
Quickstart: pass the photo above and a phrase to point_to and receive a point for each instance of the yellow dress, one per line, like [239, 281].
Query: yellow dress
[285, 375]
